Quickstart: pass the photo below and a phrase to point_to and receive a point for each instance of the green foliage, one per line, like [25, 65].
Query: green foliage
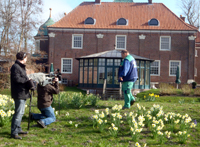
[145, 93]
[74, 100]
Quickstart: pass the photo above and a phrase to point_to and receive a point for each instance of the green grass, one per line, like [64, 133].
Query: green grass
[61, 133]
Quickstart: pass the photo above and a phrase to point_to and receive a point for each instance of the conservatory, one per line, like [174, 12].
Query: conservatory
[94, 68]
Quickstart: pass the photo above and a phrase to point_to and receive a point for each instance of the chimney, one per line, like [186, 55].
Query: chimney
[183, 18]
[150, 1]
[97, 1]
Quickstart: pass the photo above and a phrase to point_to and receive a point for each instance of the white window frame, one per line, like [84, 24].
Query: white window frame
[80, 35]
[64, 79]
[124, 42]
[196, 53]
[179, 66]
[158, 68]
[169, 49]
[62, 65]
[195, 72]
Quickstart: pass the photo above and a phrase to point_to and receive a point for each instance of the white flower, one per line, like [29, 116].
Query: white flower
[76, 125]
[67, 114]
[70, 122]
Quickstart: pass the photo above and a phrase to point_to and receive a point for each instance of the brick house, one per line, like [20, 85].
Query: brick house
[150, 30]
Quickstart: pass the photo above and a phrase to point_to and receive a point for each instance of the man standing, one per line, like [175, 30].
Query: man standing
[127, 75]
[19, 93]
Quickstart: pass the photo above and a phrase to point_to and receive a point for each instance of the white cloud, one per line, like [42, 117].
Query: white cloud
[59, 7]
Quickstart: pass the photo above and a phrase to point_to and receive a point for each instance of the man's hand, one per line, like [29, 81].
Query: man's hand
[120, 78]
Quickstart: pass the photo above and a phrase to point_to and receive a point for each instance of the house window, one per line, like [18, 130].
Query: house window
[66, 65]
[64, 81]
[196, 53]
[122, 21]
[120, 42]
[37, 45]
[155, 68]
[173, 67]
[89, 20]
[77, 41]
[195, 72]
[165, 43]
[153, 22]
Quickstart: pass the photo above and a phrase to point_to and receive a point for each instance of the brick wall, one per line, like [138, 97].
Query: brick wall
[60, 46]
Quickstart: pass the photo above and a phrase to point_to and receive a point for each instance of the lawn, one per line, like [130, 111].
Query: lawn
[62, 133]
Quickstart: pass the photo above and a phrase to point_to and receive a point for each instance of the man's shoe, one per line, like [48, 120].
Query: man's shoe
[40, 123]
[22, 132]
[132, 102]
[16, 137]
[123, 108]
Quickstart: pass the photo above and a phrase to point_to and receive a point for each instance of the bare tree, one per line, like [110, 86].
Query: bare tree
[28, 20]
[190, 9]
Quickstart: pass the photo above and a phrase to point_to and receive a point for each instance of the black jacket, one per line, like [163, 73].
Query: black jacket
[18, 81]
[45, 94]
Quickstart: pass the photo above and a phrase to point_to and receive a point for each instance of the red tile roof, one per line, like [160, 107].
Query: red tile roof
[106, 15]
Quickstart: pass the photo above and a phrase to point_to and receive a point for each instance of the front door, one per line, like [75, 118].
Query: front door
[112, 77]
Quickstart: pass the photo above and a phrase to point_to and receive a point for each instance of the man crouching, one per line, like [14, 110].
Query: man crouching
[44, 101]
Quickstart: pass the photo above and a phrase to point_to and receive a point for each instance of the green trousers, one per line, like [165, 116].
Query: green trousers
[128, 97]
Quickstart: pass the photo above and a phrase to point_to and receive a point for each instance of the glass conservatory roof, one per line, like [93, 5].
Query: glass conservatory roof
[114, 54]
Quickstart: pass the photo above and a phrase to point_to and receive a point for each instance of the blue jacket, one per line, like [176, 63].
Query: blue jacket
[128, 69]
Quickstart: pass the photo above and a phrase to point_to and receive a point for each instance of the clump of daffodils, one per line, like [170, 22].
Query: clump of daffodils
[113, 130]
[117, 108]
[6, 109]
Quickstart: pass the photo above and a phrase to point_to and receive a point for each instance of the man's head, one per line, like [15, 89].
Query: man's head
[21, 56]
[124, 53]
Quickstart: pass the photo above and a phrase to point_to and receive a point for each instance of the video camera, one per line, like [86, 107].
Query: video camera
[53, 75]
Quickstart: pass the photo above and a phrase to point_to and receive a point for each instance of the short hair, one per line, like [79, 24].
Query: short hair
[21, 55]
[124, 51]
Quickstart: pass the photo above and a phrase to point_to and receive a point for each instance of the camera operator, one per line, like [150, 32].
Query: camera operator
[44, 101]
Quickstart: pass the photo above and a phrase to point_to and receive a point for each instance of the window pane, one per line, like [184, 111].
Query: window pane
[67, 65]
[95, 62]
[117, 62]
[109, 62]
[90, 62]
[85, 74]
[95, 76]
[90, 75]
[64, 81]
[102, 62]
[173, 67]
[165, 43]
[155, 68]
[81, 75]
[101, 75]
[86, 62]
[121, 42]
[109, 75]
[81, 62]
[116, 76]
[77, 41]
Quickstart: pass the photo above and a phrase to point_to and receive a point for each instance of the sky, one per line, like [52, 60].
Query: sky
[59, 7]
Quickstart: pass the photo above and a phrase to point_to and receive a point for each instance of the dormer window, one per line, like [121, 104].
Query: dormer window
[153, 22]
[90, 20]
[122, 21]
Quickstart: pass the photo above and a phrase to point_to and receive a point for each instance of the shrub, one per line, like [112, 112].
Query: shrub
[197, 91]
[186, 89]
[166, 88]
